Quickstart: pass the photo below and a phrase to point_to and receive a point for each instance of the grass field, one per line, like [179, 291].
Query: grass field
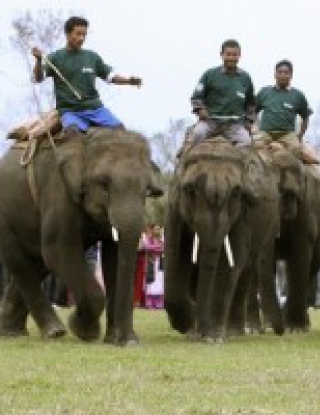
[255, 374]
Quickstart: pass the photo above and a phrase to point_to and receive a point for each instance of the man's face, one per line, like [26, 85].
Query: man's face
[283, 76]
[76, 38]
[230, 57]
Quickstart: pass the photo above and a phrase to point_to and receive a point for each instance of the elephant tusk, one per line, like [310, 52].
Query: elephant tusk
[195, 248]
[229, 251]
[115, 234]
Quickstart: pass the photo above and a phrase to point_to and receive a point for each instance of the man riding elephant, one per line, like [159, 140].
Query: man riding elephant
[224, 100]
[74, 71]
[279, 106]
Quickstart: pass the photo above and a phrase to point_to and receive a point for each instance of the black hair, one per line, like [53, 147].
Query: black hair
[230, 43]
[286, 63]
[74, 21]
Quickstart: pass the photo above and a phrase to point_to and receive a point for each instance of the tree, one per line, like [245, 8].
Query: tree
[45, 30]
[165, 145]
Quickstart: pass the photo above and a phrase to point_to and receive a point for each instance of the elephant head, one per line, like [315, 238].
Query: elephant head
[217, 185]
[109, 174]
[291, 184]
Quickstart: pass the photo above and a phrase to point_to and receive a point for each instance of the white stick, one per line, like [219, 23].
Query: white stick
[195, 249]
[115, 234]
[56, 70]
[228, 249]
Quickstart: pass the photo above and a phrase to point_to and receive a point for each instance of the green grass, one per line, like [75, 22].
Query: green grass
[255, 374]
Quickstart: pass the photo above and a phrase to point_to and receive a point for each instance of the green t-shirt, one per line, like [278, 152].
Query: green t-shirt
[80, 68]
[280, 108]
[224, 94]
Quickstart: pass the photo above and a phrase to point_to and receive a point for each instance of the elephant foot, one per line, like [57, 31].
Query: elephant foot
[54, 331]
[115, 338]
[193, 336]
[205, 337]
[278, 329]
[13, 332]
[84, 329]
[12, 327]
[181, 315]
[236, 331]
[215, 336]
[298, 329]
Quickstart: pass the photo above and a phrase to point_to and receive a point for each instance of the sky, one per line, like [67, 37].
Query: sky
[170, 43]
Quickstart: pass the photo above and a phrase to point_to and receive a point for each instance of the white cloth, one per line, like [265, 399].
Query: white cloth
[157, 286]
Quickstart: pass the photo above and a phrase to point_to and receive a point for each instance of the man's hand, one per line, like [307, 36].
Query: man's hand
[248, 126]
[135, 81]
[203, 114]
[36, 53]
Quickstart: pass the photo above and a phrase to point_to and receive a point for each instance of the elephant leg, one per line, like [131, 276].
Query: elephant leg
[24, 293]
[14, 312]
[298, 272]
[253, 318]
[68, 263]
[123, 293]
[267, 288]
[178, 271]
[242, 310]
[109, 257]
[227, 279]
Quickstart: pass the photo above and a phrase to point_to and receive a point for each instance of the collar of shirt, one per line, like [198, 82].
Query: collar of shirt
[223, 69]
[287, 88]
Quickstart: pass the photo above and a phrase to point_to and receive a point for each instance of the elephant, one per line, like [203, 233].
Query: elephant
[217, 191]
[75, 191]
[299, 243]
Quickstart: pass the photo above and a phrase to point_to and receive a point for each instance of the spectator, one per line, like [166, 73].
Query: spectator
[154, 281]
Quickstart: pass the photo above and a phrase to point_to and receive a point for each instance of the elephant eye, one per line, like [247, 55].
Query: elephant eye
[236, 192]
[189, 189]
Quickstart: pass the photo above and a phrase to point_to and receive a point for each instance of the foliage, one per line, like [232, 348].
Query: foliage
[156, 208]
[43, 29]
[166, 144]
[255, 374]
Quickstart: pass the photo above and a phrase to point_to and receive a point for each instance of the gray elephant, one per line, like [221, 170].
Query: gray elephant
[299, 244]
[72, 194]
[219, 190]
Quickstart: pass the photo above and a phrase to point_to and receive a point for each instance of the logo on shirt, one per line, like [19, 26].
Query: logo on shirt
[287, 105]
[87, 70]
[241, 94]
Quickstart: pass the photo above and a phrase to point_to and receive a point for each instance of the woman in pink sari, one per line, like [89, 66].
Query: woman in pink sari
[152, 244]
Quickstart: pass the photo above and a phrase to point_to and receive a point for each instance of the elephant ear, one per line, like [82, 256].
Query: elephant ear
[70, 160]
[251, 179]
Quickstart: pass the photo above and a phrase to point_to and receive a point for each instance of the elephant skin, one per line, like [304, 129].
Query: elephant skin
[82, 187]
[218, 190]
[299, 244]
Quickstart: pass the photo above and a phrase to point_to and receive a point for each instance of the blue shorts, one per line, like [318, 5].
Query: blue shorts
[84, 119]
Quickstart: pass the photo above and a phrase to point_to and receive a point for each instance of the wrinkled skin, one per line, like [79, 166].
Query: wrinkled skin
[299, 244]
[89, 186]
[216, 192]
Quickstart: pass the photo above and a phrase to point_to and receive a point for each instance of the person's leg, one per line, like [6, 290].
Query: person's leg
[74, 120]
[203, 129]
[238, 134]
[102, 117]
[291, 142]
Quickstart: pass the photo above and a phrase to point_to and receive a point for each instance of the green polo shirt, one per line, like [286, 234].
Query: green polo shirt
[80, 68]
[225, 94]
[280, 108]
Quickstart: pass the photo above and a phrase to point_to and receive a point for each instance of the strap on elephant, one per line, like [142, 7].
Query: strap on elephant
[30, 148]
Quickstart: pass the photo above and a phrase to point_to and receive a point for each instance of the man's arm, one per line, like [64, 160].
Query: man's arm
[250, 105]
[303, 128]
[38, 72]
[122, 80]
